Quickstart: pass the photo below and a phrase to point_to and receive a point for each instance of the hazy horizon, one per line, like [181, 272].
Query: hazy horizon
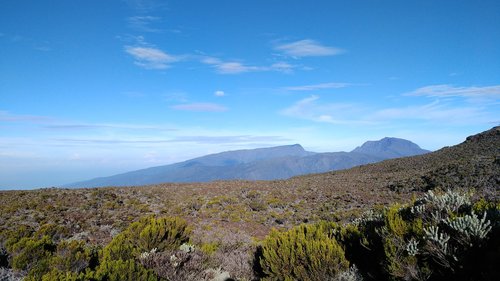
[95, 88]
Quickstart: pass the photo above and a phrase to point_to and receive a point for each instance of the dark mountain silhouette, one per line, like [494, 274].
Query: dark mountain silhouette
[272, 163]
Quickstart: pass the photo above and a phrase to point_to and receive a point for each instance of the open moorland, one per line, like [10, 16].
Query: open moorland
[237, 229]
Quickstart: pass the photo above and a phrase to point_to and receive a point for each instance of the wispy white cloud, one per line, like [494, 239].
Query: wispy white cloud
[229, 139]
[219, 93]
[201, 107]
[307, 48]
[330, 85]
[150, 57]
[89, 126]
[443, 113]
[282, 67]
[236, 67]
[443, 91]
[55, 124]
[209, 139]
[231, 67]
[333, 113]
[143, 23]
[6, 116]
[436, 112]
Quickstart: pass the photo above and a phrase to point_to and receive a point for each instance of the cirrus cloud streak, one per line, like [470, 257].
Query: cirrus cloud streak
[308, 48]
[150, 57]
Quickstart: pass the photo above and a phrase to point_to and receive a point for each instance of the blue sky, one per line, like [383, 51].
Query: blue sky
[95, 88]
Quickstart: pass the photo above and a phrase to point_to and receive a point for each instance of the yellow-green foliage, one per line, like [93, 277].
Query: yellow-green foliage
[394, 222]
[145, 235]
[119, 270]
[72, 256]
[58, 275]
[11, 237]
[33, 255]
[55, 232]
[393, 238]
[482, 206]
[209, 248]
[119, 248]
[160, 233]
[305, 252]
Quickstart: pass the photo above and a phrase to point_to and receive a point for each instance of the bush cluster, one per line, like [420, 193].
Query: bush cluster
[441, 236]
[306, 252]
[438, 237]
[45, 257]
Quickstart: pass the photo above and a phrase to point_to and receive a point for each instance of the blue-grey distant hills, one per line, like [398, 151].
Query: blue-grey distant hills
[272, 163]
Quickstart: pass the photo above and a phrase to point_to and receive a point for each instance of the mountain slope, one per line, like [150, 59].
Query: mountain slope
[260, 164]
[255, 207]
[475, 163]
[390, 148]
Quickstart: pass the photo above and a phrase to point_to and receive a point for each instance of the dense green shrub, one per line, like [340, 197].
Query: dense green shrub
[147, 234]
[54, 231]
[120, 248]
[160, 233]
[119, 270]
[438, 237]
[73, 256]
[59, 275]
[305, 252]
[38, 254]
[33, 255]
[120, 257]
[13, 236]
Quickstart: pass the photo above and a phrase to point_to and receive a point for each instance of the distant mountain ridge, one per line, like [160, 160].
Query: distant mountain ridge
[271, 163]
[389, 148]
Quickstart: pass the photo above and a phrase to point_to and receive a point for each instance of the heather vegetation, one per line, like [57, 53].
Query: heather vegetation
[440, 236]
[404, 219]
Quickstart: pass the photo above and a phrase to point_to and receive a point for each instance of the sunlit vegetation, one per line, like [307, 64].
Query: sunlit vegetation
[438, 220]
[440, 236]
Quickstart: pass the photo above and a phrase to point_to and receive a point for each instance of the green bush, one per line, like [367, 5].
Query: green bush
[59, 275]
[160, 233]
[11, 237]
[120, 248]
[119, 270]
[33, 255]
[54, 231]
[147, 234]
[438, 237]
[305, 252]
[73, 256]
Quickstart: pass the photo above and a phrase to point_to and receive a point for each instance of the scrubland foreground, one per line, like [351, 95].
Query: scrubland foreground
[428, 217]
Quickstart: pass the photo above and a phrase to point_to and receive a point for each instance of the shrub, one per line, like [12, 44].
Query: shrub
[55, 232]
[439, 237]
[120, 248]
[119, 270]
[13, 236]
[305, 252]
[141, 241]
[145, 235]
[59, 275]
[29, 253]
[73, 256]
[160, 233]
